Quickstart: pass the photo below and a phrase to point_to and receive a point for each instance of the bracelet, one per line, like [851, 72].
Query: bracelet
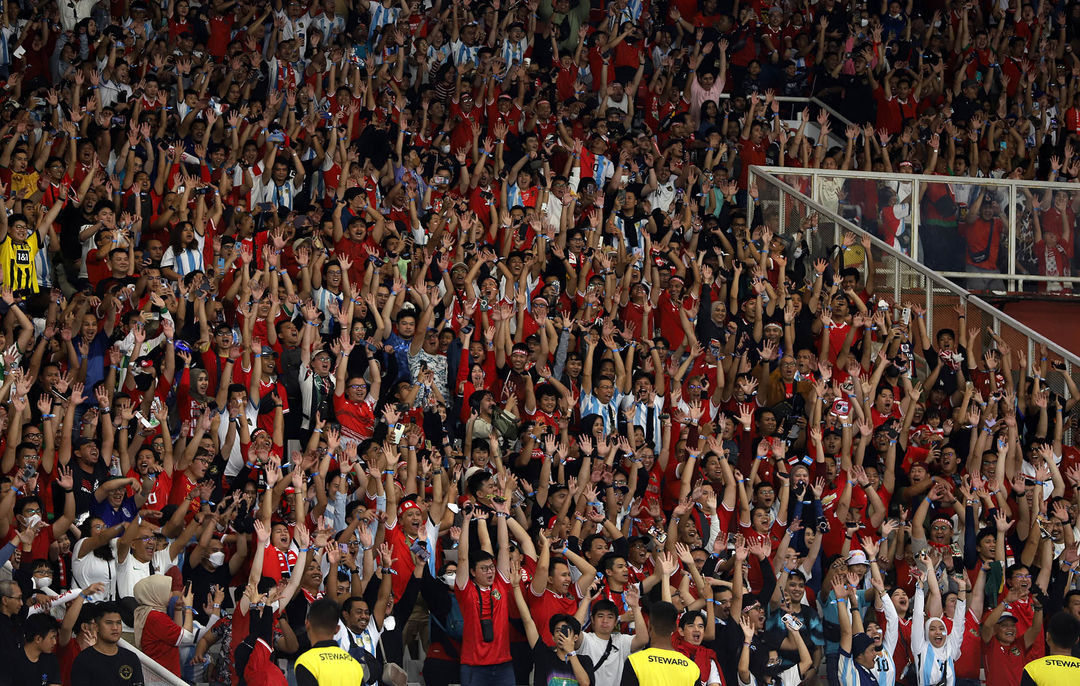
[216, 605]
[318, 431]
[304, 550]
[48, 416]
[188, 608]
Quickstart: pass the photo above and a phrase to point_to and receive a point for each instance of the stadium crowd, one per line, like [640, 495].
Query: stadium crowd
[457, 331]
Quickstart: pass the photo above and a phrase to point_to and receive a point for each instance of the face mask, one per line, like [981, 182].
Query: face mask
[445, 148]
[449, 578]
[864, 22]
[42, 581]
[216, 559]
[32, 520]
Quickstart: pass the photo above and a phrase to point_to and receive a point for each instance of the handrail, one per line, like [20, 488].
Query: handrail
[162, 675]
[766, 173]
[809, 101]
[1013, 274]
[931, 178]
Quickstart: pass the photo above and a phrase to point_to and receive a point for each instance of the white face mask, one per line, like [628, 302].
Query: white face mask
[32, 520]
[216, 559]
[449, 578]
[42, 582]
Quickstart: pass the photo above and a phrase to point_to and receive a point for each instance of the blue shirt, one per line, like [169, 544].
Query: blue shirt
[110, 517]
[95, 363]
[401, 353]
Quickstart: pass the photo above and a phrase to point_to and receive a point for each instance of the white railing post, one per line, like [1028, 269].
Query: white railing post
[916, 249]
[1012, 239]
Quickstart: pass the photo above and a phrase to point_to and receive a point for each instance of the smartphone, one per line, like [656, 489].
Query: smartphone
[399, 431]
[793, 621]
[905, 316]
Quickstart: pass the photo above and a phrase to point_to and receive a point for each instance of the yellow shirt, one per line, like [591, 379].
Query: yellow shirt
[24, 185]
[17, 262]
[1051, 670]
[326, 664]
[659, 667]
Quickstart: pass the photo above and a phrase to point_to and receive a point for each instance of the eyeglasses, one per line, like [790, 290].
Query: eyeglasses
[32, 511]
[14, 597]
[358, 385]
[1021, 576]
[485, 569]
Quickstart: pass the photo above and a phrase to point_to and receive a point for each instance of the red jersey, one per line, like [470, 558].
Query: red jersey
[548, 604]
[491, 604]
[160, 639]
[1005, 663]
[403, 562]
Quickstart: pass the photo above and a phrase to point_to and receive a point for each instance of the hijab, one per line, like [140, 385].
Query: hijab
[153, 594]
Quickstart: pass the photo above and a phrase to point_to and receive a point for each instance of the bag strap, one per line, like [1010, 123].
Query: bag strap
[607, 651]
[448, 646]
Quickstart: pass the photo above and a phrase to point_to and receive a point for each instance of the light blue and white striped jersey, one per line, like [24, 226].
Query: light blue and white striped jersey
[609, 411]
[641, 418]
[438, 54]
[514, 53]
[43, 265]
[381, 16]
[935, 664]
[851, 673]
[463, 54]
[5, 47]
[322, 298]
[186, 261]
[885, 667]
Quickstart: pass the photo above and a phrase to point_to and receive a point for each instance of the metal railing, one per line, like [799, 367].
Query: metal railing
[933, 236]
[153, 673]
[898, 277]
[791, 106]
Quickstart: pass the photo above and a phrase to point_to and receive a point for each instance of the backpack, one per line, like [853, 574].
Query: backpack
[454, 625]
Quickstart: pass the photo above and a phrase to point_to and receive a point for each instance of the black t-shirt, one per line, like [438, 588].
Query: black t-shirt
[201, 580]
[551, 669]
[20, 671]
[84, 483]
[94, 668]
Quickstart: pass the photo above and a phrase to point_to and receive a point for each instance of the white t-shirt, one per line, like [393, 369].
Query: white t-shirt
[610, 672]
[92, 569]
[131, 571]
[236, 461]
